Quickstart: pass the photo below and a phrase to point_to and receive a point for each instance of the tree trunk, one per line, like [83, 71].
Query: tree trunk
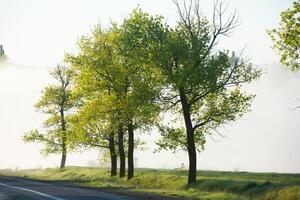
[63, 156]
[190, 138]
[121, 152]
[113, 156]
[130, 151]
[63, 138]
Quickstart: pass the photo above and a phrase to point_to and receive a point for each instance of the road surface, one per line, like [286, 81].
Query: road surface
[12, 188]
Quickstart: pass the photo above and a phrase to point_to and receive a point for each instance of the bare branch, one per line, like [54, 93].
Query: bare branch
[295, 108]
[219, 27]
[218, 132]
[91, 144]
[296, 98]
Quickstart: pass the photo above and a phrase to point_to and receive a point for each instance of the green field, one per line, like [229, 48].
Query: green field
[212, 185]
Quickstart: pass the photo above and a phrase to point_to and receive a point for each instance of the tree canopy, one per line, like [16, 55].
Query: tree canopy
[286, 37]
[114, 78]
[201, 85]
[125, 76]
[58, 102]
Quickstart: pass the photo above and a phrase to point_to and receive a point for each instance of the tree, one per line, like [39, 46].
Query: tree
[101, 74]
[286, 37]
[3, 57]
[200, 85]
[59, 102]
[142, 86]
[106, 69]
[92, 128]
[1, 51]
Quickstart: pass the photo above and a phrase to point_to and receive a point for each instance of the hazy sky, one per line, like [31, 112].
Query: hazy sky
[37, 33]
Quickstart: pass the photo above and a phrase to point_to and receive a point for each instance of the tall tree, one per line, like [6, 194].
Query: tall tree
[106, 68]
[286, 37]
[57, 101]
[201, 85]
[143, 83]
[101, 73]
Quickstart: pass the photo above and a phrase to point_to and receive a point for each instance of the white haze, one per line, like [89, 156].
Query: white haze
[38, 33]
[266, 139]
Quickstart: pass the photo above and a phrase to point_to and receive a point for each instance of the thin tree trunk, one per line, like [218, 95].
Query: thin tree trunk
[121, 152]
[130, 151]
[113, 156]
[190, 138]
[63, 156]
[63, 138]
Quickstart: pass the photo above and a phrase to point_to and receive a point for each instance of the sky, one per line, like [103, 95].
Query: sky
[37, 33]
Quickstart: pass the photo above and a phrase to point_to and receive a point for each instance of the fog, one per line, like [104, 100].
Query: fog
[266, 139]
[38, 33]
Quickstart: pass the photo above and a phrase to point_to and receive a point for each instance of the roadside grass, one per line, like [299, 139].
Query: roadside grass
[210, 185]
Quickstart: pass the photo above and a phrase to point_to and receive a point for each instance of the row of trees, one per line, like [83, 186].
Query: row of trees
[124, 77]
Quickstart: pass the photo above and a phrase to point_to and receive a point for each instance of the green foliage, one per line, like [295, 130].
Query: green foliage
[51, 141]
[131, 72]
[58, 102]
[126, 75]
[116, 87]
[91, 126]
[216, 110]
[184, 60]
[286, 37]
[172, 138]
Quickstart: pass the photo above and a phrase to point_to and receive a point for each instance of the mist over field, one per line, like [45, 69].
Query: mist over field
[150, 100]
[266, 139]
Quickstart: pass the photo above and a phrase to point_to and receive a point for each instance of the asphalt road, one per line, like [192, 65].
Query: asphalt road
[12, 188]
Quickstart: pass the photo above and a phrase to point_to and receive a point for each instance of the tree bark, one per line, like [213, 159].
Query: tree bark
[113, 156]
[130, 151]
[190, 138]
[63, 156]
[121, 152]
[63, 138]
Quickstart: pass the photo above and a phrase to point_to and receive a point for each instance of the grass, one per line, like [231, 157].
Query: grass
[210, 185]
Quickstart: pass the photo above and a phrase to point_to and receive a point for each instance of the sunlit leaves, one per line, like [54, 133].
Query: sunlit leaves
[286, 37]
[58, 101]
[210, 80]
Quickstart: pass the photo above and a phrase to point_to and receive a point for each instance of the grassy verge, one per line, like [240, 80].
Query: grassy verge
[211, 185]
